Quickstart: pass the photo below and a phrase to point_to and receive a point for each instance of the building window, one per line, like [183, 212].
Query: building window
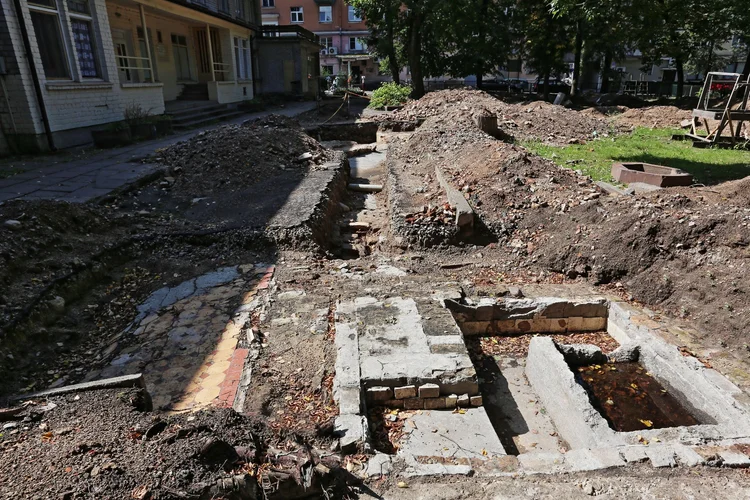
[223, 6]
[355, 43]
[181, 58]
[83, 38]
[242, 58]
[268, 3]
[353, 16]
[326, 42]
[297, 15]
[50, 43]
[326, 14]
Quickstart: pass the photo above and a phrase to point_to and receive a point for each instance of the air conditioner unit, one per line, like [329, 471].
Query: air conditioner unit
[332, 51]
[324, 52]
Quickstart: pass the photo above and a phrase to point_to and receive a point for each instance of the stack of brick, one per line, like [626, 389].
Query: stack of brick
[423, 397]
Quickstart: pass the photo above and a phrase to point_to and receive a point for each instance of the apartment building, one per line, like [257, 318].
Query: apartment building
[70, 66]
[341, 31]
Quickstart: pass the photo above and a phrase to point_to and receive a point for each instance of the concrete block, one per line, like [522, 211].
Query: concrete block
[661, 456]
[484, 312]
[467, 386]
[575, 324]
[608, 457]
[523, 325]
[581, 354]
[628, 352]
[476, 327]
[463, 400]
[434, 404]
[594, 324]
[539, 462]
[505, 326]
[348, 399]
[583, 460]
[379, 394]
[687, 456]
[413, 404]
[451, 401]
[734, 459]
[429, 391]
[352, 432]
[475, 400]
[135, 380]
[633, 454]
[406, 391]
[394, 403]
[559, 325]
[379, 465]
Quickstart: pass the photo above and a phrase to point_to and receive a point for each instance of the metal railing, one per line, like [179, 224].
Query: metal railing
[144, 70]
[270, 32]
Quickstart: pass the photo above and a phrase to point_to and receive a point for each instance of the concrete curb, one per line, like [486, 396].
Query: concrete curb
[125, 381]
[464, 212]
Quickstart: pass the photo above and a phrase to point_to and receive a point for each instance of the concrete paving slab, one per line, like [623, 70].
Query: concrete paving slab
[734, 459]
[451, 436]
[661, 456]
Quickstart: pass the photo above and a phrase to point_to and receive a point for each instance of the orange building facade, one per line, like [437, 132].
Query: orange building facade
[342, 34]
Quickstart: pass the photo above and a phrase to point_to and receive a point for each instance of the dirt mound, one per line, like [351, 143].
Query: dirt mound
[538, 120]
[735, 192]
[654, 117]
[45, 240]
[236, 156]
[99, 445]
[558, 125]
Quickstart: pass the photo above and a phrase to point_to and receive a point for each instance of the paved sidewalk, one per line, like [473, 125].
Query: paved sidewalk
[81, 180]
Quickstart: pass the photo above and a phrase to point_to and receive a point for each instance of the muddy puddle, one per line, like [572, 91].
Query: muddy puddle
[630, 399]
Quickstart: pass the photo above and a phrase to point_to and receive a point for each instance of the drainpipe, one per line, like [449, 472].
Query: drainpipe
[34, 75]
[253, 64]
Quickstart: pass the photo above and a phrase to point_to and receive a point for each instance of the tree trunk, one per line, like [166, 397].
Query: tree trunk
[392, 61]
[605, 72]
[479, 72]
[575, 84]
[415, 54]
[680, 76]
[545, 90]
[479, 68]
[710, 59]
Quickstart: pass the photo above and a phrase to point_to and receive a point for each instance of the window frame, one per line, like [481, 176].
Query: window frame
[329, 42]
[54, 11]
[242, 50]
[320, 14]
[352, 15]
[71, 58]
[357, 41]
[296, 16]
[268, 4]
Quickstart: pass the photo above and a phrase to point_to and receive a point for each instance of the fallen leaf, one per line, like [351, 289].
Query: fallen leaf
[647, 423]
[484, 452]
[402, 484]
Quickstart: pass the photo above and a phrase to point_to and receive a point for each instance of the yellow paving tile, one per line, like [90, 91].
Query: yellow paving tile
[207, 394]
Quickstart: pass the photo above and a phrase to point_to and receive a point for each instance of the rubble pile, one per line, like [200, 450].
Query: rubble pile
[538, 120]
[442, 215]
[235, 156]
[654, 117]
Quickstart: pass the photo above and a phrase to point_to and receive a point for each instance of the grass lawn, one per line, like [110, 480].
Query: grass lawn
[595, 158]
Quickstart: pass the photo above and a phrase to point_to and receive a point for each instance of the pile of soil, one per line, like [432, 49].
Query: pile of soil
[102, 444]
[654, 117]
[43, 241]
[232, 157]
[538, 120]
[550, 124]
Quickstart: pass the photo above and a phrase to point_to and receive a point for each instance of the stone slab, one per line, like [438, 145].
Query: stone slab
[661, 456]
[451, 436]
[135, 380]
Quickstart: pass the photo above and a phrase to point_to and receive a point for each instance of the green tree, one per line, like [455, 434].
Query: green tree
[543, 38]
[478, 38]
[385, 31]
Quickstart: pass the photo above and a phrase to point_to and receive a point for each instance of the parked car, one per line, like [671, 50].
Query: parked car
[555, 85]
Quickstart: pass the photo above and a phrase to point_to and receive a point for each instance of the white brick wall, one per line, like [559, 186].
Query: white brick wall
[75, 104]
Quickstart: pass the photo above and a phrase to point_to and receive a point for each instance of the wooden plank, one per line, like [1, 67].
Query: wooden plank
[710, 114]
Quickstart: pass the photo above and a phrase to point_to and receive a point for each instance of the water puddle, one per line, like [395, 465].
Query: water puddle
[630, 399]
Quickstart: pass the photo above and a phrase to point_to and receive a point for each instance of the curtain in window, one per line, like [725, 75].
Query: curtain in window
[82, 38]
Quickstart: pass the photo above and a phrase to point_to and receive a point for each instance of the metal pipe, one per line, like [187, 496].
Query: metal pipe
[147, 43]
[210, 53]
[34, 75]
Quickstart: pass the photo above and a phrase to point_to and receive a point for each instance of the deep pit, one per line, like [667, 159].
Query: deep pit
[630, 398]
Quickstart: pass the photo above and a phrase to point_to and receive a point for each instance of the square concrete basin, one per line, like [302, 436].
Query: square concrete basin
[648, 173]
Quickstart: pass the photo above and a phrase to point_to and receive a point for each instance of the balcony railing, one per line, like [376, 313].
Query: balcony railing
[269, 32]
[136, 69]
